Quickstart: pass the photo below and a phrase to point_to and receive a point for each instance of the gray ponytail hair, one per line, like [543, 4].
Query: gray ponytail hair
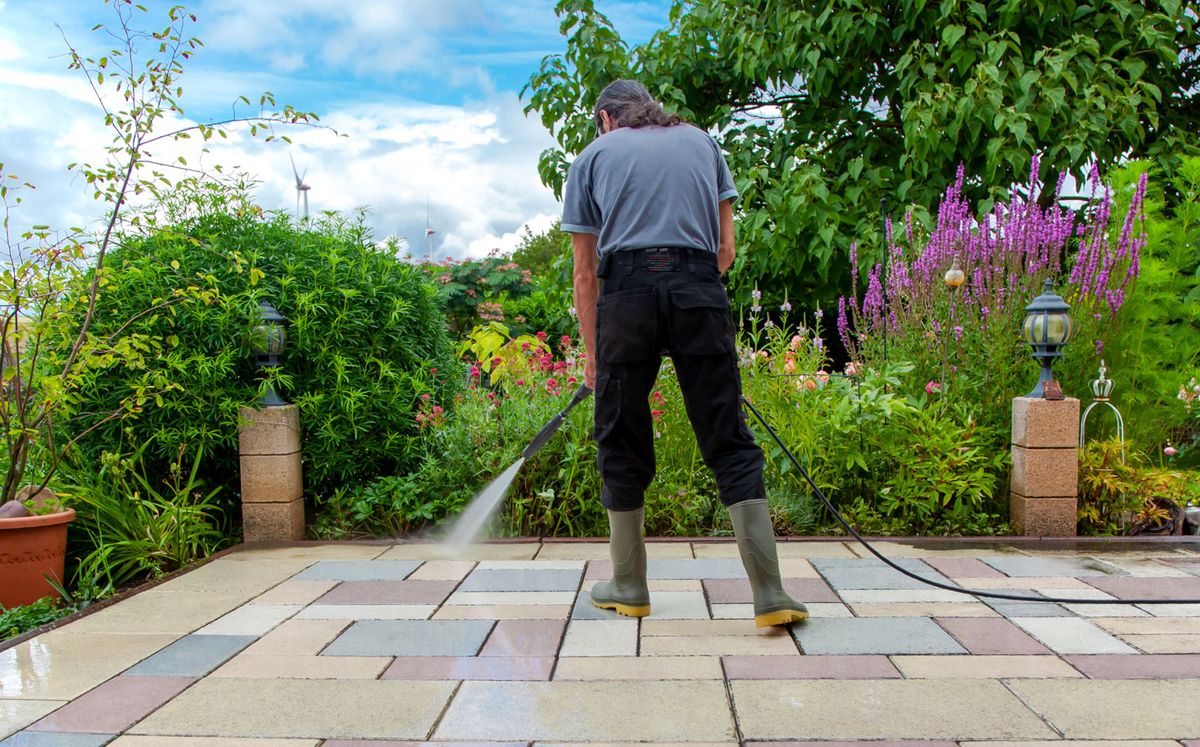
[631, 105]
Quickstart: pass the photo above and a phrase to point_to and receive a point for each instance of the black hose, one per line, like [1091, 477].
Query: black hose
[938, 584]
[549, 429]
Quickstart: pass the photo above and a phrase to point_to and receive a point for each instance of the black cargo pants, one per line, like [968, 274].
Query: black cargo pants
[668, 300]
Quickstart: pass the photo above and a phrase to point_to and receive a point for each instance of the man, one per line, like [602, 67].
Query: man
[649, 208]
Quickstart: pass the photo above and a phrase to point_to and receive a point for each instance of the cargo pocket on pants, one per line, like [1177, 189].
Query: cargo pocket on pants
[700, 320]
[627, 325]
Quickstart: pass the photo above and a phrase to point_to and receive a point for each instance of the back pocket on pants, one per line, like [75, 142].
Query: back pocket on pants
[627, 325]
[700, 320]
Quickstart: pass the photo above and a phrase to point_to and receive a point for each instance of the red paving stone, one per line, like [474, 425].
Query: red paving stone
[808, 667]
[114, 706]
[388, 592]
[524, 638]
[737, 591]
[470, 668]
[1133, 587]
[988, 636]
[1141, 667]
[963, 568]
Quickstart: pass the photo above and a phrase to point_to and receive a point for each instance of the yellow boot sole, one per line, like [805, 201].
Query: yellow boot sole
[628, 610]
[783, 617]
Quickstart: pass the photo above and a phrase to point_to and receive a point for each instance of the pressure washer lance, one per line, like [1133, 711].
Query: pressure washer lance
[475, 516]
[931, 582]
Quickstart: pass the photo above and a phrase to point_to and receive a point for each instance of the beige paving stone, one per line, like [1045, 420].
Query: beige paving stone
[134, 741]
[251, 619]
[718, 645]
[883, 709]
[677, 711]
[1105, 610]
[225, 575]
[600, 638]
[532, 565]
[987, 667]
[889, 596]
[304, 667]
[1147, 568]
[1150, 625]
[443, 570]
[155, 611]
[923, 609]
[437, 551]
[679, 605]
[746, 611]
[294, 592]
[505, 598]
[297, 638]
[1114, 709]
[668, 551]
[1165, 644]
[314, 709]
[638, 668]
[503, 612]
[652, 627]
[785, 550]
[61, 665]
[573, 551]
[1049, 582]
[366, 612]
[905, 550]
[635, 744]
[673, 584]
[1173, 610]
[1079, 743]
[311, 552]
[17, 714]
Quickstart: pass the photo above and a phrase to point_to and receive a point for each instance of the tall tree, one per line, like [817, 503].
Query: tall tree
[829, 108]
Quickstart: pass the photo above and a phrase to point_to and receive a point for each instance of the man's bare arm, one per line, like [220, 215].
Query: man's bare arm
[725, 253]
[586, 291]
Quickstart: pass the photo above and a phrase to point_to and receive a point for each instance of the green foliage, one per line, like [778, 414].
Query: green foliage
[23, 618]
[365, 338]
[827, 109]
[538, 252]
[139, 528]
[475, 290]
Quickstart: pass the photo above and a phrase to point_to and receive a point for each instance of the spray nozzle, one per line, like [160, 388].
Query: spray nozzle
[550, 428]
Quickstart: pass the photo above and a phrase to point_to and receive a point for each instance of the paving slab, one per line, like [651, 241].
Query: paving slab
[388, 592]
[17, 714]
[503, 612]
[601, 638]
[358, 570]
[294, 592]
[316, 709]
[366, 612]
[168, 612]
[1122, 667]
[532, 565]
[737, 591]
[808, 667]
[437, 551]
[992, 637]
[160, 741]
[677, 711]
[786, 550]
[411, 638]
[1150, 625]
[507, 598]
[638, 668]
[652, 626]
[297, 638]
[882, 709]
[1164, 644]
[1027, 609]
[310, 551]
[522, 580]
[746, 611]
[958, 568]
[987, 667]
[874, 635]
[443, 570]
[679, 605]
[524, 638]
[1071, 635]
[922, 609]
[304, 667]
[702, 568]
[252, 619]
[1148, 567]
[470, 668]
[114, 706]
[63, 664]
[583, 609]
[1172, 610]
[1114, 709]
[55, 739]
[718, 645]
[192, 656]
[871, 573]
[224, 575]
[1081, 567]
[1131, 587]
[1006, 584]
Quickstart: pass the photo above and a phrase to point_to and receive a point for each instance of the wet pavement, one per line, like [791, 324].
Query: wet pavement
[390, 644]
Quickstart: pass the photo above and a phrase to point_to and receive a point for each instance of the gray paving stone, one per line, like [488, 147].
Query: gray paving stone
[874, 635]
[358, 570]
[192, 656]
[411, 638]
[1027, 609]
[59, 739]
[514, 579]
[1039, 567]
[871, 573]
[585, 610]
[699, 568]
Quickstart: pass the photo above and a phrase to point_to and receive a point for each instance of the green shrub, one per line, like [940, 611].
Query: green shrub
[365, 338]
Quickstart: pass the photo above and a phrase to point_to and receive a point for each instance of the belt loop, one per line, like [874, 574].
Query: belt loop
[687, 260]
[602, 267]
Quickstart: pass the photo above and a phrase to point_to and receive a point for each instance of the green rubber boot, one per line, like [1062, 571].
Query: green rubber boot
[756, 545]
[627, 593]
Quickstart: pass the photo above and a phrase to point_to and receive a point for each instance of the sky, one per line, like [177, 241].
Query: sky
[425, 92]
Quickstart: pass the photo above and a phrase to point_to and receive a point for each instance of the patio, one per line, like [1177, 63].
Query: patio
[330, 644]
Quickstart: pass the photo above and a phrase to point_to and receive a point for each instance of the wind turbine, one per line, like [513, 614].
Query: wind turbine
[429, 232]
[301, 188]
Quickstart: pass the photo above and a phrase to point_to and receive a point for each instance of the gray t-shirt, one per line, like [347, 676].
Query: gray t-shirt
[649, 187]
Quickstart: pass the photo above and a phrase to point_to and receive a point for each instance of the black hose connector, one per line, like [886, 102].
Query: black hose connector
[549, 429]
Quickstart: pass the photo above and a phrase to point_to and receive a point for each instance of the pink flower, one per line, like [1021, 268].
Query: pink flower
[1170, 450]
[572, 380]
[790, 365]
[852, 369]
[542, 336]
[932, 387]
[797, 341]
[565, 341]
[433, 370]
[475, 372]
[424, 397]
[437, 410]
[497, 361]
[520, 382]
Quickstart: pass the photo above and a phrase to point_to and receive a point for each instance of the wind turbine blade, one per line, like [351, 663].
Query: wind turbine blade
[306, 206]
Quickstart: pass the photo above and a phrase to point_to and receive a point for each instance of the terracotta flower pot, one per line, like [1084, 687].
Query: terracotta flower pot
[31, 548]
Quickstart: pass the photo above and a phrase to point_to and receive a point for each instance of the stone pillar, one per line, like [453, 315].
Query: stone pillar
[1045, 466]
[272, 484]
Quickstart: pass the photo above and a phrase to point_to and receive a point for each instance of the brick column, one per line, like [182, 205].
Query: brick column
[272, 484]
[1045, 466]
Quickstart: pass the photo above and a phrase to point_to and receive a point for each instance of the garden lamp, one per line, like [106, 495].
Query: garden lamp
[269, 340]
[1047, 328]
